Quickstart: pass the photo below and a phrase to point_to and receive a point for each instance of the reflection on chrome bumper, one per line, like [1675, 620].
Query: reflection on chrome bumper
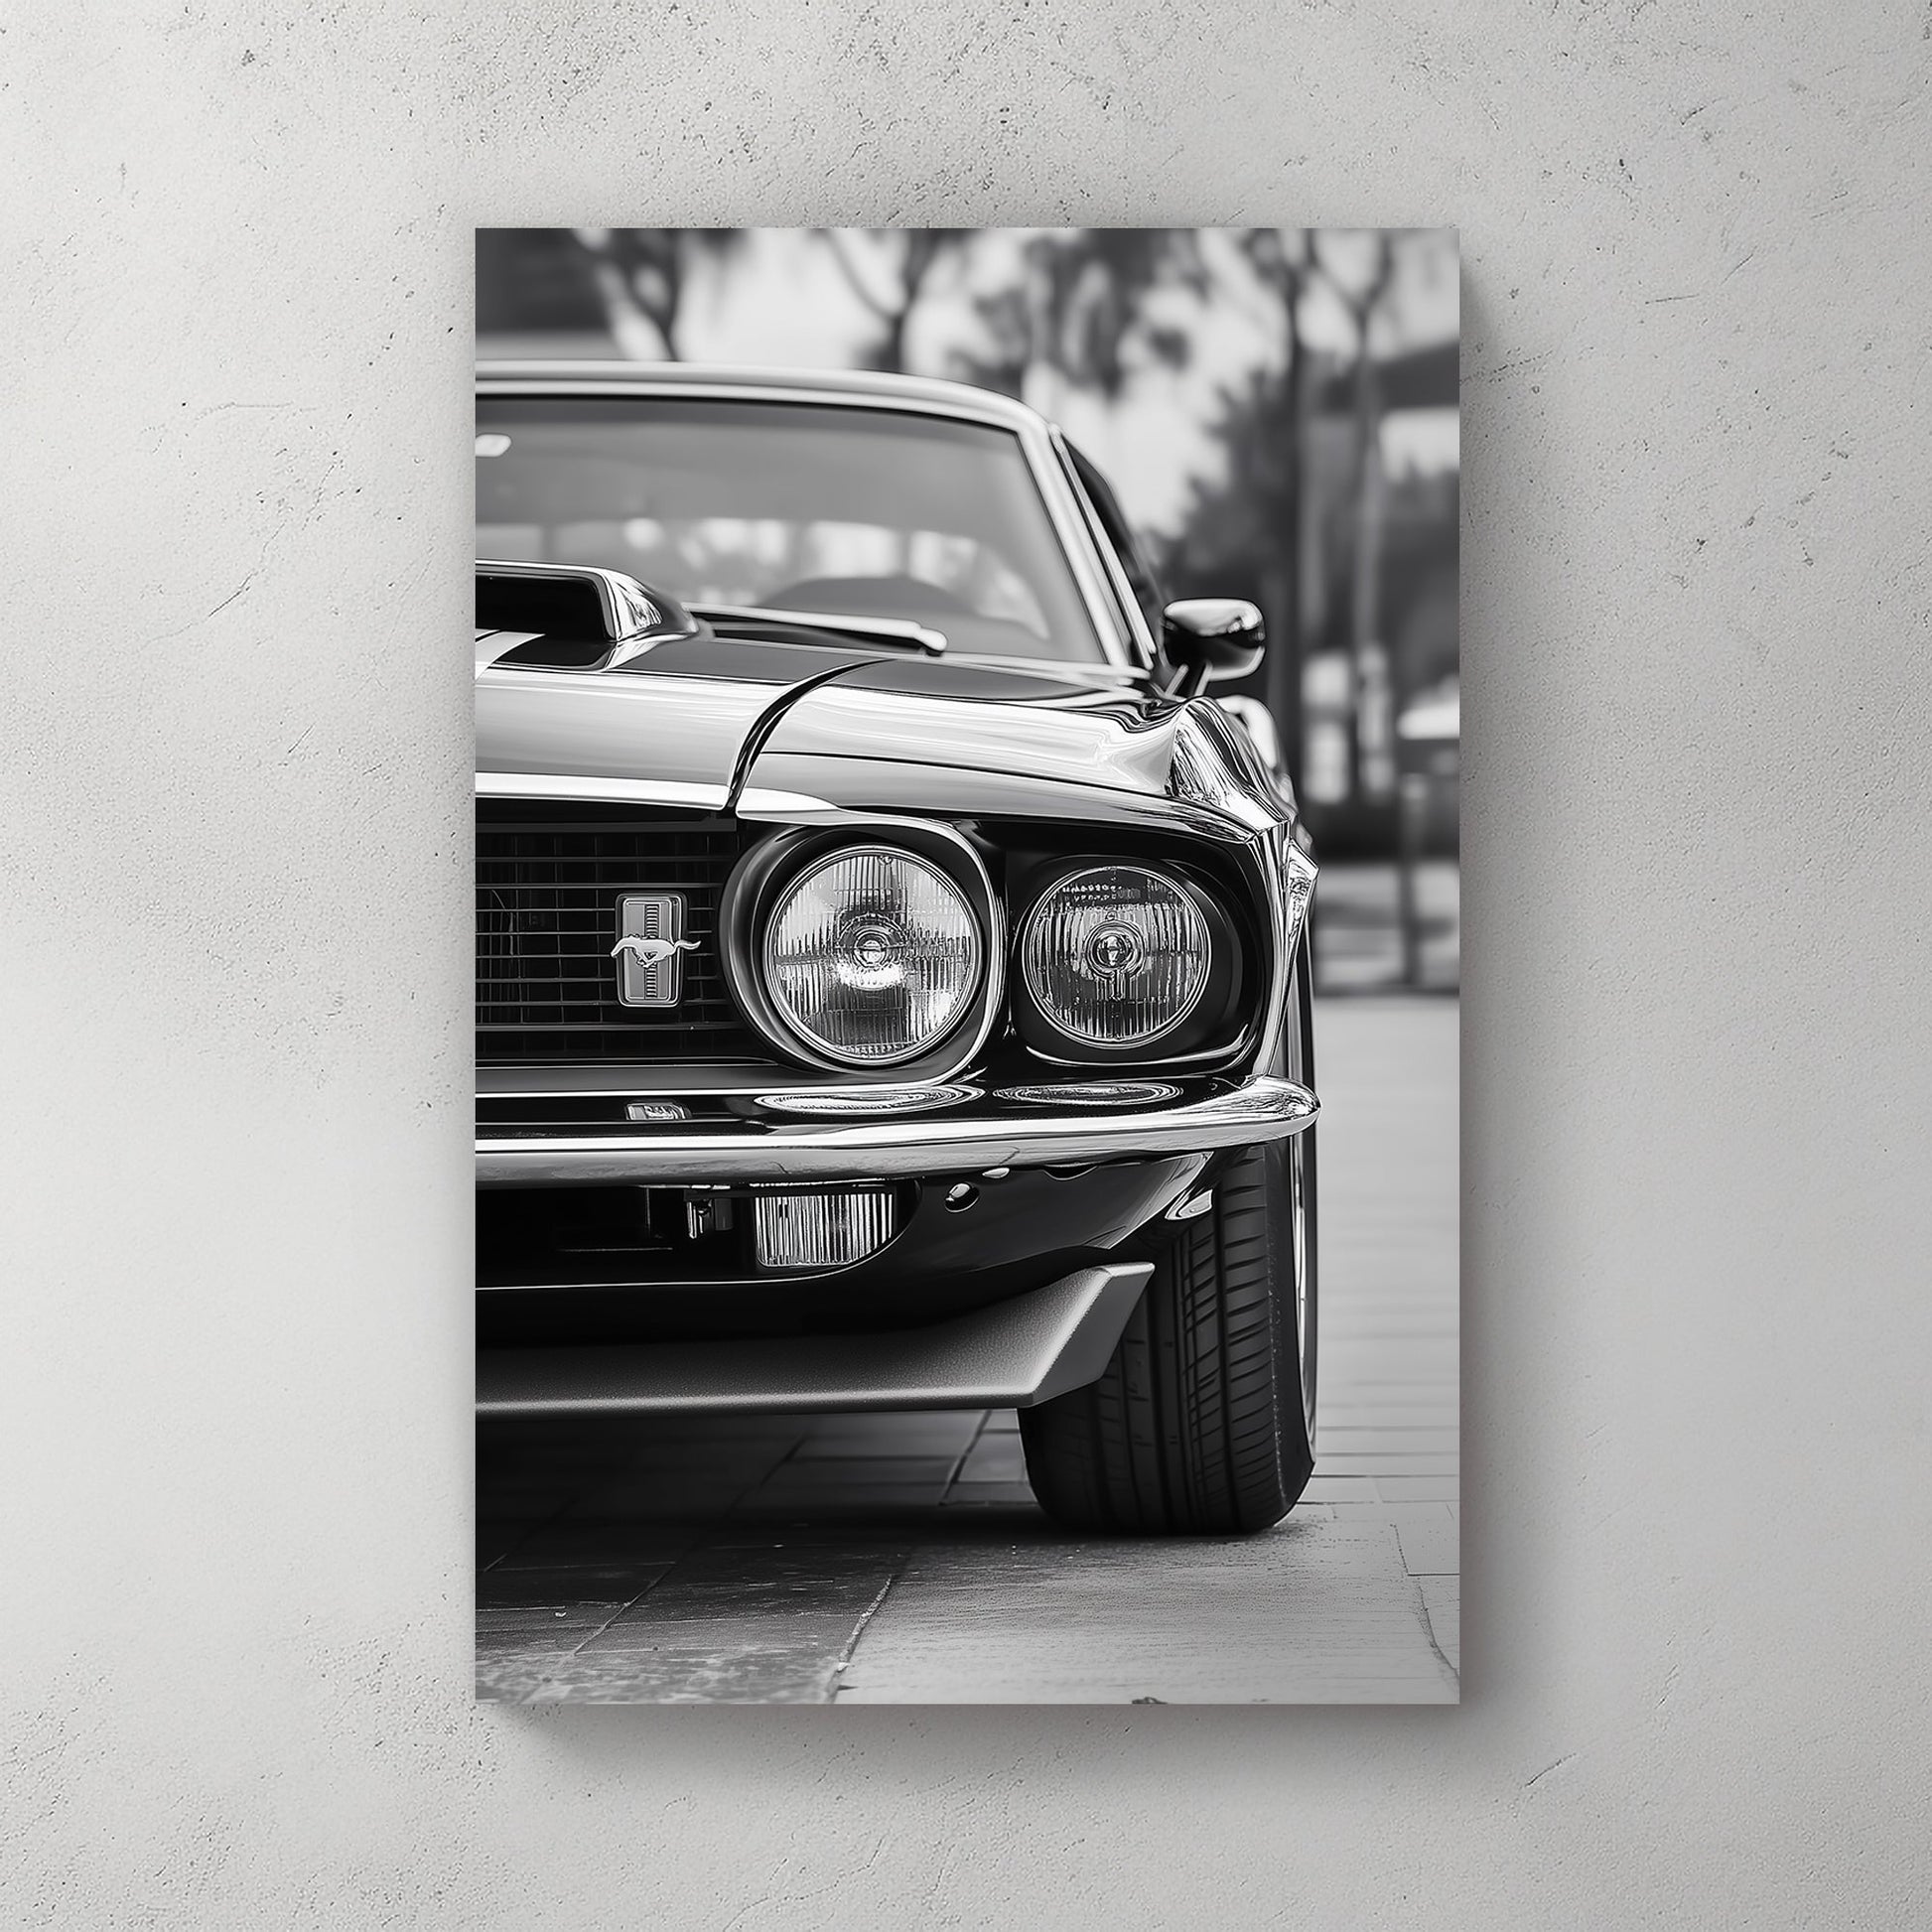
[770, 1148]
[1008, 1356]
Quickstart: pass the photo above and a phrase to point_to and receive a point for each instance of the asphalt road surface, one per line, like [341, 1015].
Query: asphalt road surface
[901, 1560]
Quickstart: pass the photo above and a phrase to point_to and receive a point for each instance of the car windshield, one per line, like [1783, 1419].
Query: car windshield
[859, 513]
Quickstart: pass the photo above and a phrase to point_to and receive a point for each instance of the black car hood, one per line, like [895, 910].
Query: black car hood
[680, 714]
[687, 712]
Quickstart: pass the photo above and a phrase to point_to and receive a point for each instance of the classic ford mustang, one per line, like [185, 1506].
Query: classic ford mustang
[892, 977]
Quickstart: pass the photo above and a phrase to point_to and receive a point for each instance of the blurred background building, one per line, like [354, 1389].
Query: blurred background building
[1276, 409]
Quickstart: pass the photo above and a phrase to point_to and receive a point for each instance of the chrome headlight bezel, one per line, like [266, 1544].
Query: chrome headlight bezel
[1206, 1025]
[970, 936]
[772, 871]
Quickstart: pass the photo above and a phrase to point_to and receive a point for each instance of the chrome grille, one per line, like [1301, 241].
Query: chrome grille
[550, 877]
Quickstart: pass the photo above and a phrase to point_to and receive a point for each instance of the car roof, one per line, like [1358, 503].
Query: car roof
[866, 387]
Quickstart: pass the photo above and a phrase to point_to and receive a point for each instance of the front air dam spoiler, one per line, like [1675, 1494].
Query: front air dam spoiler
[1012, 1355]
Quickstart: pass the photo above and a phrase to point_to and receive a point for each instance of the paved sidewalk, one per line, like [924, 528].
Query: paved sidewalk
[900, 1559]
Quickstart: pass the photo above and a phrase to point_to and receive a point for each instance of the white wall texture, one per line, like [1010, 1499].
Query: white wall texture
[233, 1076]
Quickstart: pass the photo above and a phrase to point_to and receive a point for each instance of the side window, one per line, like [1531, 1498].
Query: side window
[1133, 559]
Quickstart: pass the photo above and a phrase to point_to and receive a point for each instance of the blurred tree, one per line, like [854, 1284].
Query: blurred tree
[1417, 581]
[1283, 260]
[1263, 525]
[642, 276]
[1360, 294]
[1006, 317]
[1097, 283]
[1078, 316]
[889, 271]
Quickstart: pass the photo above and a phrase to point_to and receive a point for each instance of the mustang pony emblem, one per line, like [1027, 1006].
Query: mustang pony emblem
[651, 952]
[650, 948]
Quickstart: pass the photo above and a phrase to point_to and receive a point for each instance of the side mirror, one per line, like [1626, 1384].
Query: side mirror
[1208, 638]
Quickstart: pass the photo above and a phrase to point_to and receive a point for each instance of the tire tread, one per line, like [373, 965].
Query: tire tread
[1195, 1425]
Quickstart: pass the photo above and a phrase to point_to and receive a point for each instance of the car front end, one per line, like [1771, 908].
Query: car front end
[764, 1134]
[863, 1021]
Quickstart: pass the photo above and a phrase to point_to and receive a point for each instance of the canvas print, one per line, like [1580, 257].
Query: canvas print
[967, 962]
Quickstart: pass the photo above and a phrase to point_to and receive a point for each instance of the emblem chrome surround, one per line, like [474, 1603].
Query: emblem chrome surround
[651, 946]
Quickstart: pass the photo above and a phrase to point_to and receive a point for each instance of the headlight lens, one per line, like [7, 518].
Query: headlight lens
[872, 955]
[1115, 956]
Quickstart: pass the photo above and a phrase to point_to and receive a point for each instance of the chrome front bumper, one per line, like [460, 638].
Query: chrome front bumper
[764, 1146]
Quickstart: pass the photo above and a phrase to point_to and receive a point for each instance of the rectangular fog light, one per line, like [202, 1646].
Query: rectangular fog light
[828, 1227]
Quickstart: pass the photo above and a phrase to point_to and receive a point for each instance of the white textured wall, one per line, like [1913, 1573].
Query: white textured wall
[233, 1055]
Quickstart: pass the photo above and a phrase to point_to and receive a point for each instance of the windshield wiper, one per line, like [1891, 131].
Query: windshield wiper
[895, 632]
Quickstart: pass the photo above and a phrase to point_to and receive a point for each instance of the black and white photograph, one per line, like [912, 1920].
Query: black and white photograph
[967, 732]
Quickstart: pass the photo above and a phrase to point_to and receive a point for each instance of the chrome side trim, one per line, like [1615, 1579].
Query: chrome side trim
[603, 792]
[1291, 875]
[1262, 1109]
[1008, 1356]
[782, 808]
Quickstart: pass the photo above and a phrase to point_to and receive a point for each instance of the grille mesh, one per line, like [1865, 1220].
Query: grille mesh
[549, 879]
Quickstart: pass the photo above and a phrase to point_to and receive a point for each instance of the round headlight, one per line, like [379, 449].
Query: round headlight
[1115, 956]
[872, 956]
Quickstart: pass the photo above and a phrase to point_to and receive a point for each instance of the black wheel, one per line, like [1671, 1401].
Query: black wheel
[1204, 1421]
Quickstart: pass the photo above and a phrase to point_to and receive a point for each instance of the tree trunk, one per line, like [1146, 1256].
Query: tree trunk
[1365, 599]
[1284, 665]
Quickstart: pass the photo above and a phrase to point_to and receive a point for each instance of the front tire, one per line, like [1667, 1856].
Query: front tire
[1201, 1422]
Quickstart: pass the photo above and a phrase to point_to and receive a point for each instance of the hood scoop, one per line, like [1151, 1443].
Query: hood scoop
[580, 619]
